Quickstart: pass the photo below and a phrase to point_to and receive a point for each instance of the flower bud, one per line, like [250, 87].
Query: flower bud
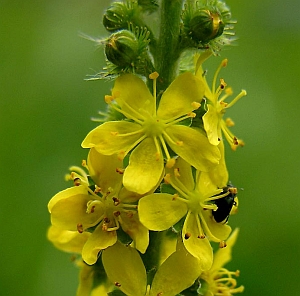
[117, 16]
[205, 26]
[122, 48]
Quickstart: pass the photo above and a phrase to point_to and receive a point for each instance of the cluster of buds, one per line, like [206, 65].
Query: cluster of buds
[151, 204]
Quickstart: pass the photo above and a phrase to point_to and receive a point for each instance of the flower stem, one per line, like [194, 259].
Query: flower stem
[167, 54]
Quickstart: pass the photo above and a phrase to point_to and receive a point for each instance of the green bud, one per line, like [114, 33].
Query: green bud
[205, 26]
[122, 48]
[115, 17]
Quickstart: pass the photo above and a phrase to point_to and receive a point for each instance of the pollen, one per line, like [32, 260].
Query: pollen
[121, 155]
[179, 143]
[167, 178]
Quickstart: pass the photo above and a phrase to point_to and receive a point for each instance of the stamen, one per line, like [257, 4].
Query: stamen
[91, 205]
[200, 229]
[240, 95]
[223, 64]
[154, 77]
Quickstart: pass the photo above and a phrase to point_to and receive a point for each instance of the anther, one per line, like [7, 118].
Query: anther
[80, 228]
[167, 178]
[176, 172]
[153, 75]
[77, 181]
[117, 284]
[229, 122]
[224, 63]
[222, 244]
[116, 201]
[222, 83]
[120, 171]
[196, 105]
[192, 114]
[187, 235]
[179, 143]
[114, 133]
[117, 213]
[170, 163]
[175, 196]
[108, 99]
[201, 236]
[121, 155]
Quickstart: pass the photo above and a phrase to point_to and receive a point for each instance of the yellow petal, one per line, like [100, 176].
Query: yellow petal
[131, 90]
[183, 172]
[211, 123]
[67, 241]
[178, 272]
[178, 98]
[216, 231]
[66, 194]
[124, 266]
[193, 146]
[197, 246]
[145, 168]
[223, 255]
[99, 240]
[136, 230]
[70, 213]
[113, 137]
[104, 169]
[160, 211]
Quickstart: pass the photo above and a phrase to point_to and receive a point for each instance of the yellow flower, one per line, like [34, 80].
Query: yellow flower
[216, 106]
[192, 200]
[218, 280]
[101, 208]
[150, 132]
[124, 267]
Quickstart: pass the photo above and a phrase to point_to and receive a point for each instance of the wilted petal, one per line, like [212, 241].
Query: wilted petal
[160, 211]
[193, 147]
[145, 168]
[177, 273]
[124, 266]
[178, 98]
[99, 240]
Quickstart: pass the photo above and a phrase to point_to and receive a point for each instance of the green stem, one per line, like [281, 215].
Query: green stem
[167, 52]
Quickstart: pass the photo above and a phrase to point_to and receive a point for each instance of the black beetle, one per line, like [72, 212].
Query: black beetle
[225, 204]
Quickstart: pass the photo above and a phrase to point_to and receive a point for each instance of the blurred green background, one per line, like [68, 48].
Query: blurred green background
[45, 113]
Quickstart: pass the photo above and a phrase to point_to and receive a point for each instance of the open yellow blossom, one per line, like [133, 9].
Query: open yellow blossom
[194, 201]
[101, 208]
[218, 280]
[213, 120]
[149, 132]
[124, 267]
